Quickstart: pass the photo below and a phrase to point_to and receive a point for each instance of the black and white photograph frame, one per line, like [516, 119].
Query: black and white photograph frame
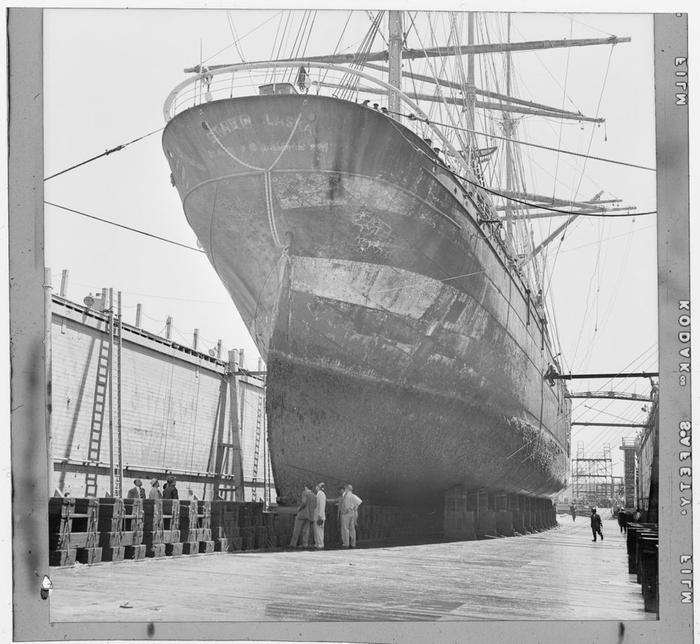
[349, 325]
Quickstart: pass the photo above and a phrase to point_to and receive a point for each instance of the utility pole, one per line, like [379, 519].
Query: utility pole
[120, 460]
[47, 371]
[110, 388]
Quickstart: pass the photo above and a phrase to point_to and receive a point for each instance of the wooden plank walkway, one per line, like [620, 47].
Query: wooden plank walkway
[558, 575]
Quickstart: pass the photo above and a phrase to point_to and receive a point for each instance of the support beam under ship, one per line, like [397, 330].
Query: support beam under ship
[404, 352]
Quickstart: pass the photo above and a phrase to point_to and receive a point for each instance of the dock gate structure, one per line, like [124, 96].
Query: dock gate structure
[127, 404]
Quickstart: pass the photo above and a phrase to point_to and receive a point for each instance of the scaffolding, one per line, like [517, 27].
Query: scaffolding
[593, 483]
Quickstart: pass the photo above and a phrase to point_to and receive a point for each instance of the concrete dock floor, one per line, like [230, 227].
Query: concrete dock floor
[555, 575]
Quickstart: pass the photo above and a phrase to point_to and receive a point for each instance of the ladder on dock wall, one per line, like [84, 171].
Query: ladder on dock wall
[258, 436]
[104, 360]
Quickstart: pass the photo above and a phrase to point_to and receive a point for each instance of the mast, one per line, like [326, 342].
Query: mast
[395, 47]
[460, 50]
[508, 133]
[471, 87]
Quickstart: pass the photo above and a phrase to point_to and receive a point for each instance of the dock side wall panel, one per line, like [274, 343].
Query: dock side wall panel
[169, 409]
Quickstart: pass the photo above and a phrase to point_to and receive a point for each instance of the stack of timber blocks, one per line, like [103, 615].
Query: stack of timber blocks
[120, 527]
[224, 525]
[110, 522]
[132, 530]
[269, 537]
[283, 526]
[73, 531]
[246, 525]
[171, 527]
[206, 543]
[153, 533]
[195, 527]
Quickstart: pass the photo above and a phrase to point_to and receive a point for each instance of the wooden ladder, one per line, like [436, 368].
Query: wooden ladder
[258, 437]
[98, 415]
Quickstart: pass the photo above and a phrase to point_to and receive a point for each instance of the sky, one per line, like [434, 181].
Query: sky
[108, 72]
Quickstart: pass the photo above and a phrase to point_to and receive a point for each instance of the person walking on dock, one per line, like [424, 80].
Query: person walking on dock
[154, 492]
[349, 505]
[303, 519]
[573, 512]
[170, 491]
[622, 520]
[596, 525]
[320, 516]
[137, 492]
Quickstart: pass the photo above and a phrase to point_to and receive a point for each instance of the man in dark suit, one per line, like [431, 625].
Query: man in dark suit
[137, 492]
[170, 491]
[596, 525]
[303, 519]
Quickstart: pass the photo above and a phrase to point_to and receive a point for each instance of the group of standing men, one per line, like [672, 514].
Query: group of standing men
[169, 489]
[312, 512]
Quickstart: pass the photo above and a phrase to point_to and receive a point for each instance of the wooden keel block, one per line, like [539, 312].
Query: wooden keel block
[110, 539]
[206, 547]
[151, 538]
[504, 523]
[62, 557]
[89, 555]
[221, 545]
[174, 549]
[113, 554]
[171, 536]
[135, 552]
[190, 547]
[156, 550]
[486, 524]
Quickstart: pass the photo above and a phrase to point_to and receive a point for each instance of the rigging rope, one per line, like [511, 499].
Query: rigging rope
[206, 60]
[350, 81]
[104, 154]
[432, 71]
[605, 436]
[234, 35]
[413, 117]
[563, 103]
[337, 44]
[133, 230]
[575, 195]
[534, 205]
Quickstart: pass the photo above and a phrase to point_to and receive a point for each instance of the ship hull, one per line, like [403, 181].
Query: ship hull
[403, 353]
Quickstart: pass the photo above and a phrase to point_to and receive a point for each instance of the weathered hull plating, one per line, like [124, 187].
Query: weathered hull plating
[403, 355]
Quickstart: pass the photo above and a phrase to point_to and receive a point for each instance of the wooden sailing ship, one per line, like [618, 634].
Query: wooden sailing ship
[392, 291]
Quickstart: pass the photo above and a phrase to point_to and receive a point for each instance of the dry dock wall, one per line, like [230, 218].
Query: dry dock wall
[175, 412]
[647, 453]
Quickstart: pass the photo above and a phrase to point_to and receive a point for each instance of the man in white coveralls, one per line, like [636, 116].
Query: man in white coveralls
[320, 515]
[349, 503]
